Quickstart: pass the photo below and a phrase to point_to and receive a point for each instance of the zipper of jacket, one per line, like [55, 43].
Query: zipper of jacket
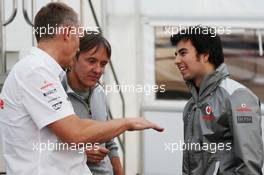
[189, 162]
[192, 118]
[84, 102]
[88, 102]
[192, 132]
[89, 98]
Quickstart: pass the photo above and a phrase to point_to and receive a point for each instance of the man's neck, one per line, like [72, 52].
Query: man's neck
[74, 84]
[209, 69]
[197, 82]
[50, 49]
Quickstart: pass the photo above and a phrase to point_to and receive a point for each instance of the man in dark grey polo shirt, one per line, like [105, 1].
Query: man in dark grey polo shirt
[89, 100]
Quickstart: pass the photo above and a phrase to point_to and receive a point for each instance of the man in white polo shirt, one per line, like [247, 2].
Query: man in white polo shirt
[41, 135]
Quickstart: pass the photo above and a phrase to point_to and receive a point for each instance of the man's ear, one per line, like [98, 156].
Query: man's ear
[66, 33]
[205, 57]
[73, 63]
[75, 59]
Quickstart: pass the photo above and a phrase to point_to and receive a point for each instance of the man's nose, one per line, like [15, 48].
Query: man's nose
[177, 59]
[97, 69]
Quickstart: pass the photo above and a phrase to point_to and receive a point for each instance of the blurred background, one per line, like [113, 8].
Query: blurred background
[139, 32]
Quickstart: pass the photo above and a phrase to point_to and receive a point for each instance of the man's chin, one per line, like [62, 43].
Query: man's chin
[91, 84]
[186, 78]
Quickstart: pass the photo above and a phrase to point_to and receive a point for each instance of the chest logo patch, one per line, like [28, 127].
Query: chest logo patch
[208, 113]
[208, 110]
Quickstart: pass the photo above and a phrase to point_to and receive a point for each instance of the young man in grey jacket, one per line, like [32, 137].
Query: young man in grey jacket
[222, 120]
[89, 100]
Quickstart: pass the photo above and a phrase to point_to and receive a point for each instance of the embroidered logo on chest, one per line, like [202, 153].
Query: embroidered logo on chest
[207, 113]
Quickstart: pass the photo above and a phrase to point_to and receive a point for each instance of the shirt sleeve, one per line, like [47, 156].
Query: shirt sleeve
[99, 109]
[112, 146]
[44, 97]
[246, 129]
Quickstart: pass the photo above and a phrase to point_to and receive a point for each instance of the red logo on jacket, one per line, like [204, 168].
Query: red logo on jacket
[2, 104]
[208, 112]
[243, 108]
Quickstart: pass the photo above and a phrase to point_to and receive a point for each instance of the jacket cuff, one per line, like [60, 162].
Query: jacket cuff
[113, 153]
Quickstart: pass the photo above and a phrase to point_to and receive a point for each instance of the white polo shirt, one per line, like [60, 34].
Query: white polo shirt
[32, 98]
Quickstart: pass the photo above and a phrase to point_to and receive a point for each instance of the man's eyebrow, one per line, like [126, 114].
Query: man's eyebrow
[182, 49]
[89, 58]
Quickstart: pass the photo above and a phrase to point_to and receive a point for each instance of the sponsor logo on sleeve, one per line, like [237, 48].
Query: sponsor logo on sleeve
[244, 119]
[243, 108]
[57, 105]
[48, 89]
[46, 85]
[51, 94]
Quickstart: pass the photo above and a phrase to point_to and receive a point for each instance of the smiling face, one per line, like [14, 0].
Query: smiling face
[190, 64]
[88, 68]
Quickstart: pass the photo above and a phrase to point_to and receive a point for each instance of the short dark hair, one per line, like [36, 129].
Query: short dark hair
[205, 40]
[93, 39]
[54, 15]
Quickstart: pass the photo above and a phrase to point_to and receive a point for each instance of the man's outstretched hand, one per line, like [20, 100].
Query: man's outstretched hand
[141, 124]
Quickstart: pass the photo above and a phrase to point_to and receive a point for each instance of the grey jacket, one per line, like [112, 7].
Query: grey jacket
[222, 128]
[95, 107]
